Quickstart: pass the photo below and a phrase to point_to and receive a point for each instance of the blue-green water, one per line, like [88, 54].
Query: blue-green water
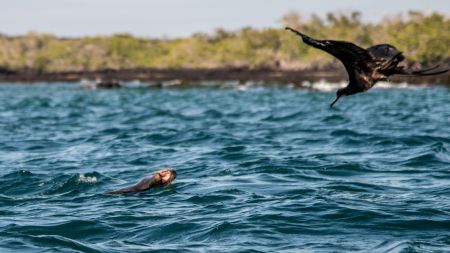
[266, 169]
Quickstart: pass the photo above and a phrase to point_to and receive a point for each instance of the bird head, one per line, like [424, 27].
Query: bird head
[339, 93]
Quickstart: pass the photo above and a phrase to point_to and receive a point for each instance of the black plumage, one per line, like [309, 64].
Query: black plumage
[365, 67]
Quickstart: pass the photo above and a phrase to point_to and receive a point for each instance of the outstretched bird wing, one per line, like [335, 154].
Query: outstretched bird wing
[352, 56]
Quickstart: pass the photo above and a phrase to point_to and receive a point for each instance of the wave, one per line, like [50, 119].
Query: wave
[63, 243]
[411, 246]
[271, 169]
[62, 235]
[78, 182]
[25, 182]
[321, 85]
[326, 86]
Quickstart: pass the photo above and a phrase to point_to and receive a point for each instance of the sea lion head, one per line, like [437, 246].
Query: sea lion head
[166, 175]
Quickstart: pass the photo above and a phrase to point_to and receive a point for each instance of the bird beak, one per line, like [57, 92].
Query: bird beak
[335, 100]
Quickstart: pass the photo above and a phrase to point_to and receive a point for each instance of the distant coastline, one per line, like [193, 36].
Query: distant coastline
[270, 54]
[188, 76]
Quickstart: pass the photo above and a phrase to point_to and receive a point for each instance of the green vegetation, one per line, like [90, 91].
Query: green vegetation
[423, 38]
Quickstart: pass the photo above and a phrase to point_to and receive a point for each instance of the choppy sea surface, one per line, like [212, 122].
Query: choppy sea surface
[260, 169]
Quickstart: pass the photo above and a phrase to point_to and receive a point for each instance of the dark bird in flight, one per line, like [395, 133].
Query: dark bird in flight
[365, 67]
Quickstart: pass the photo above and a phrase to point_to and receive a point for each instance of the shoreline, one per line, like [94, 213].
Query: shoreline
[190, 75]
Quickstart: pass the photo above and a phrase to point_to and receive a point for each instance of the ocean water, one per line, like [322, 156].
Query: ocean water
[260, 169]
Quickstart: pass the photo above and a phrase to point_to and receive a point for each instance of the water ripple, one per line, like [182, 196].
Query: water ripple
[265, 169]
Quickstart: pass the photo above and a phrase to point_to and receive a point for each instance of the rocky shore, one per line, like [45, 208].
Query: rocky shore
[187, 76]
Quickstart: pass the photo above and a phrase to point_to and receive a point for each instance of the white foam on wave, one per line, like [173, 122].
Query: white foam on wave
[389, 85]
[87, 179]
[323, 85]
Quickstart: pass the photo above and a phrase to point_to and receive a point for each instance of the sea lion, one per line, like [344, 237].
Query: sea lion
[162, 177]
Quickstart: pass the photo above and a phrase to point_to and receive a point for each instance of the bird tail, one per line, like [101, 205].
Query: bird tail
[421, 72]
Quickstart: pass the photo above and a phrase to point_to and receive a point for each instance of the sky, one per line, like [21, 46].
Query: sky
[180, 18]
